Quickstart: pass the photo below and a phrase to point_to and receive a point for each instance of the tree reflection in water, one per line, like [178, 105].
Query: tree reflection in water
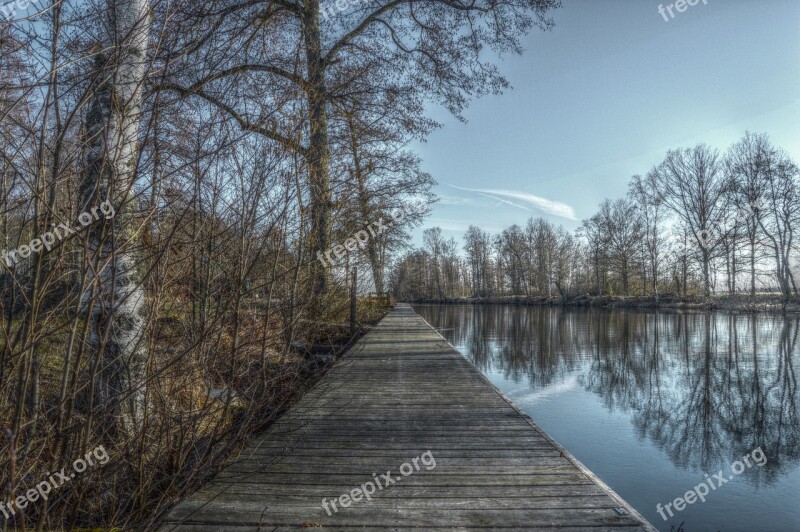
[706, 388]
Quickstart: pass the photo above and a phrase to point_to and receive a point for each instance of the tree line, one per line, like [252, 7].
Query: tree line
[699, 223]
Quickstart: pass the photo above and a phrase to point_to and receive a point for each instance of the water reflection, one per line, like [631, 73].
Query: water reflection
[704, 388]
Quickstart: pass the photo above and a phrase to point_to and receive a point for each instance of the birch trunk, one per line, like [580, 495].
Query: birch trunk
[113, 300]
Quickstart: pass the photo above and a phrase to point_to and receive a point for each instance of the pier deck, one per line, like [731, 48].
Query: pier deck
[403, 391]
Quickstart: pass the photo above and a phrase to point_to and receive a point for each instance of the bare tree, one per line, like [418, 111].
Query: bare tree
[592, 230]
[380, 179]
[651, 213]
[744, 167]
[691, 183]
[623, 233]
[566, 256]
[436, 248]
[516, 249]
[781, 212]
[478, 246]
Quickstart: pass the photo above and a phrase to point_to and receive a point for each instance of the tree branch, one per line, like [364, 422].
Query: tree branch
[244, 124]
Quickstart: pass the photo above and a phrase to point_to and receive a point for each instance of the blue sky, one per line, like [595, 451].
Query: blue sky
[603, 96]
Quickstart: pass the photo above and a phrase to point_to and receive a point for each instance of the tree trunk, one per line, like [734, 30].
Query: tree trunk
[685, 272]
[733, 264]
[597, 271]
[625, 279]
[376, 265]
[783, 274]
[706, 274]
[353, 301]
[318, 149]
[655, 278]
[114, 298]
[728, 267]
[752, 267]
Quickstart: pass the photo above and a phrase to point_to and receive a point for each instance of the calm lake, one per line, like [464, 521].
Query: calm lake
[651, 402]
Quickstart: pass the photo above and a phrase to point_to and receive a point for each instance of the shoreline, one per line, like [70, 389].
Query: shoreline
[761, 303]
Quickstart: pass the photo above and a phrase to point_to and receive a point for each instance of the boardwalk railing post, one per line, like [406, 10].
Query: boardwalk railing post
[353, 305]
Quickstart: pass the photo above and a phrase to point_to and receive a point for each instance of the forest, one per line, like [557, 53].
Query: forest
[169, 173]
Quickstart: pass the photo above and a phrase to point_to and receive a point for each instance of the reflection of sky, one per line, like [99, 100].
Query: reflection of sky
[528, 397]
[651, 426]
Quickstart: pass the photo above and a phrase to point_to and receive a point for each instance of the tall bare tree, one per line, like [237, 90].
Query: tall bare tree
[692, 185]
[623, 233]
[744, 168]
[478, 246]
[643, 191]
[781, 212]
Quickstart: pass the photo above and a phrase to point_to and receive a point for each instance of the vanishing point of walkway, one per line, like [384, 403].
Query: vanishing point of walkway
[400, 392]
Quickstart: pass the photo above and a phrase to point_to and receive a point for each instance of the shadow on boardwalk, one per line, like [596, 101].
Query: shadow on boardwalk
[400, 392]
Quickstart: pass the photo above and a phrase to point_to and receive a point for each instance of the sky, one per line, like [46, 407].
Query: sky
[603, 96]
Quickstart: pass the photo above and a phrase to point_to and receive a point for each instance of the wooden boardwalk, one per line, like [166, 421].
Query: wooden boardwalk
[400, 392]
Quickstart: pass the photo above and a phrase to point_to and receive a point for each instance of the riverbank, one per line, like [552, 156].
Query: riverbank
[731, 303]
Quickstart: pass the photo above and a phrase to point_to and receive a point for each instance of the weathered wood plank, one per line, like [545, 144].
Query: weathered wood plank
[558, 476]
[190, 527]
[584, 501]
[400, 392]
[242, 514]
[475, 493]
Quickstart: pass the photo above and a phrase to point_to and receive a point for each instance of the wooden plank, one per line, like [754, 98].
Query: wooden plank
[247, 514]
[403, 391]
[228, 527]
[408, 492]
[583, 500]
[557, 476]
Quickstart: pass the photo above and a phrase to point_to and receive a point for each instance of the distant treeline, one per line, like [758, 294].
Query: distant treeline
[699, 223]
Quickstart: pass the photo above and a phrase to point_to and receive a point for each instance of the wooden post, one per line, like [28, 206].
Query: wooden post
[353, 304]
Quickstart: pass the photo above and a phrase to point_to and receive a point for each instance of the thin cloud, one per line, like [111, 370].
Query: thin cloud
[455, 200]
[501, 200]
[555, 208]
[459, 226]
